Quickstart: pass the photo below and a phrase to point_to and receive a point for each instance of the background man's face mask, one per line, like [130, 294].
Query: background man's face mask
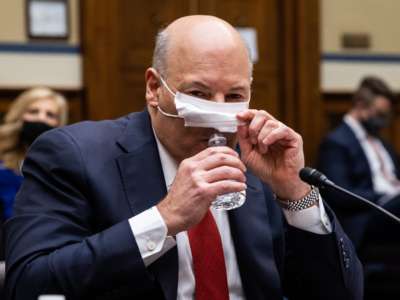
[374, 124]
[197, 112]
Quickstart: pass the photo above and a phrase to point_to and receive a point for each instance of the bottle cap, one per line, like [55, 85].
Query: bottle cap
[217, 139]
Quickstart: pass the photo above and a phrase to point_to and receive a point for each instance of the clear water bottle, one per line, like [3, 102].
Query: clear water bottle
[231, 200]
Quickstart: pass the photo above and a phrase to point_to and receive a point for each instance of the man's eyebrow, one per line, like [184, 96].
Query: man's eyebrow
[204, 86]
[238, 88]
[194, 84]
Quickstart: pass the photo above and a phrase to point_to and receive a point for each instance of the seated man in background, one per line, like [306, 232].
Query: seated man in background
[121, 209]
[356, 158]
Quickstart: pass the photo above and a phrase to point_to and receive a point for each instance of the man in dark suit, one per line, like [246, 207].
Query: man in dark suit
[121, 209]
[356, 158]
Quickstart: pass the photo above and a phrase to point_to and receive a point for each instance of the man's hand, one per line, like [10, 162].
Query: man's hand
[274, 152]
[199, 179]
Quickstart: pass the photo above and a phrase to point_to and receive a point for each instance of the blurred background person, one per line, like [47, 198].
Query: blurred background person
[32, 113]
[355, 157]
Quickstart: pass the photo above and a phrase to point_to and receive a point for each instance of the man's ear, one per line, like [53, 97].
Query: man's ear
[152, 87]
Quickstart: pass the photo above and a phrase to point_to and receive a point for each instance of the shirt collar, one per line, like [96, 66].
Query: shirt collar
[356, 127]
[168, 164]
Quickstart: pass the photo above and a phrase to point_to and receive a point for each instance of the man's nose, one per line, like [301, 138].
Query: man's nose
[219, 97]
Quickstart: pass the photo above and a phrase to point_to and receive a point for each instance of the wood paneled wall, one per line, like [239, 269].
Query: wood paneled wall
[118, 40]
[299, 80]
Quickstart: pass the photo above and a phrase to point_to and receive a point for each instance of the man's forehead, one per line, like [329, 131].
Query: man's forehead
[382, 102]
[195, 45]
[202, 58]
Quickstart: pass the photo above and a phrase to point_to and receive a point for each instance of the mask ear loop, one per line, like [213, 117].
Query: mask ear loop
[168, 114]
[166, 86]
[172, 93]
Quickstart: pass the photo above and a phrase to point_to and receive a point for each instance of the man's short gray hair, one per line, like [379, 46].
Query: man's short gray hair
[160, 52]
[161, 49]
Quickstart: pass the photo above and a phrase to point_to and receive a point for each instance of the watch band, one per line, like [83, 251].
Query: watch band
[306, 202]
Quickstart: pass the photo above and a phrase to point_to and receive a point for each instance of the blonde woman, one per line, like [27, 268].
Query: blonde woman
[33, 112]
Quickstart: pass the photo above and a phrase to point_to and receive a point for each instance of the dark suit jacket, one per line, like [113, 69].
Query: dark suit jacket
[343, 160]
[70, 233]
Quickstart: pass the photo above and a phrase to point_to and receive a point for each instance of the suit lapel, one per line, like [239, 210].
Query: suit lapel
[252, 237]
[144, 186]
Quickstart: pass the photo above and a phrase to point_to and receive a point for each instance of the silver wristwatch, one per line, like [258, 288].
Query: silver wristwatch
[307, 201]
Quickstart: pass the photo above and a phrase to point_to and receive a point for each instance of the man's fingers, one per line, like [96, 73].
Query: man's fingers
[243, 132]
[256, 120]
[244, 141]
[247, 115]
[225, 187]
[269, 127]
[255, 126]
[224, 173]
[221, 159]
[281, 134]
[264, 132]
[213, 151]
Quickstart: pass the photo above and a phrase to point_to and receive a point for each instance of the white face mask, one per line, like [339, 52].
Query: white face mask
[197, 112]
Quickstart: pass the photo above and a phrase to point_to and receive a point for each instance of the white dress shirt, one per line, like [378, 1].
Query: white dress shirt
[381, 184]
[150, 233]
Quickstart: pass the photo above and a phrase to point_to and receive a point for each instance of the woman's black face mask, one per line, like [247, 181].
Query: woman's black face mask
[31, 130]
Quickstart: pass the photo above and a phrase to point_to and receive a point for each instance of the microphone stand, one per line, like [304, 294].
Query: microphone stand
[370, 203]
[316, 178]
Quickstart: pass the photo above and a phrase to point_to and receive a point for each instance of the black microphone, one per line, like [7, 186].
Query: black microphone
[316, 178]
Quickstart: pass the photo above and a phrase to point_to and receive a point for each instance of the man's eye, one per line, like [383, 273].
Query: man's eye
[235, 98]
[198, 94]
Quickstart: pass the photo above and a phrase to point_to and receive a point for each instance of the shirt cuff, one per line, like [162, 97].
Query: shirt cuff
[313, 219]
[150, 233]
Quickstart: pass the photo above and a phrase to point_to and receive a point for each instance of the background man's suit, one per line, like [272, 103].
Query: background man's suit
[343, 160]
[83, 183]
